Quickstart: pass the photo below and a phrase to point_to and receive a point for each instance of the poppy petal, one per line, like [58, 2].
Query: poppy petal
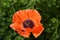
[28, 29]
[33, 14]
[16, 18]
[22, 14]
[24, 33]
[37, 30]
[15, 26]
[21, 31]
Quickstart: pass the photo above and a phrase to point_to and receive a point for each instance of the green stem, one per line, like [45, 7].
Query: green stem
[13, 8]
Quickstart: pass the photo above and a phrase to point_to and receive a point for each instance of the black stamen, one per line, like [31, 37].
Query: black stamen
[28, 23]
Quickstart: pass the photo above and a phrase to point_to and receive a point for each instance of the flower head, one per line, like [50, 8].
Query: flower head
[26, 22]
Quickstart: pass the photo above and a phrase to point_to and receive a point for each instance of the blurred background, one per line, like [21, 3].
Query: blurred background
[49, 10]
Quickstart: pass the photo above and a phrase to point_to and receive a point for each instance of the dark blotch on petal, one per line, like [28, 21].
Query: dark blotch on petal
[28, 23]
[23, 31]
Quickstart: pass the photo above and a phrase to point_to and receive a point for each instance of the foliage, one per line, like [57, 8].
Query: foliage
[49, 10]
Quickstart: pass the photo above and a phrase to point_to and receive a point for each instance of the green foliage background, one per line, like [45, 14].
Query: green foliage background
[49, 10]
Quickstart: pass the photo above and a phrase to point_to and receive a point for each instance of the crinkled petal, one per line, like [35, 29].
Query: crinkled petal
[15, 26]
[21, 31]
[34, 14]
[25, 33]
[20, 16]
[16, 18]
[37, 30]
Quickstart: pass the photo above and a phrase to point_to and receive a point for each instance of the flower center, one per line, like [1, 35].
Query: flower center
[28, 23]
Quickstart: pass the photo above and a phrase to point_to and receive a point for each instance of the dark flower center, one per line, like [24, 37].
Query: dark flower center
[28, 23]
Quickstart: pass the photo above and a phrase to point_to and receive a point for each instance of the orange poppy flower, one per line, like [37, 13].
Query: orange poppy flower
[26, 22]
